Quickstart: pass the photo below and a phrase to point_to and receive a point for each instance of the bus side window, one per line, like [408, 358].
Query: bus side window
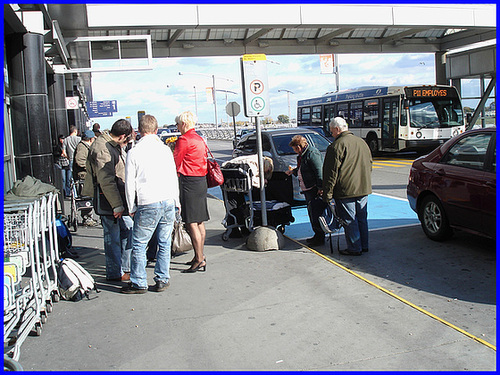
[343, 111]
[329, 115]
[306, 114]
[356, 114]
[370, 114]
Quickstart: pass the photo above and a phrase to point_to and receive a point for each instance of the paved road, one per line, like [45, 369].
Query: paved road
[408, 304]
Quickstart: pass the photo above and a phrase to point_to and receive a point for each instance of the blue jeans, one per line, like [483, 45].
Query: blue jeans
[117, 245]
[354, 212]
[67, 179]
[147, 218]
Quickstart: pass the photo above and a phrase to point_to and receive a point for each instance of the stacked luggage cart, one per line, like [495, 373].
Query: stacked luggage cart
[239, 180]
[30, 275]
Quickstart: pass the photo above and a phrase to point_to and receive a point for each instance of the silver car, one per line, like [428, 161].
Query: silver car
[275, 144]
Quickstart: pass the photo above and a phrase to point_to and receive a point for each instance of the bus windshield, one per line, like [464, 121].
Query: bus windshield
[435, 113]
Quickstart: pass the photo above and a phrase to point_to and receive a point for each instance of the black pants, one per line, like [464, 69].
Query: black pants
[315, 207]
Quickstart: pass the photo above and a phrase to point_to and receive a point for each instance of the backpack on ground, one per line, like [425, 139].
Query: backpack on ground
[74, 281]
[64, 239]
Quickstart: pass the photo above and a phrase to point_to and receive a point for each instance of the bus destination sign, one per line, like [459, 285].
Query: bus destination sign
[429, 92]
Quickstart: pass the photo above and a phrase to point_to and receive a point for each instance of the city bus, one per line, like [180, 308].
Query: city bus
[391, 118]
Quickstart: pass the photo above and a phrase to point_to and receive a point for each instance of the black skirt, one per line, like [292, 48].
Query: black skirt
[193, 196]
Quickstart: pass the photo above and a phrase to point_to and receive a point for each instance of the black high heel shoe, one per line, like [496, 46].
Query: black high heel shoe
[202, 267]
[190, 263]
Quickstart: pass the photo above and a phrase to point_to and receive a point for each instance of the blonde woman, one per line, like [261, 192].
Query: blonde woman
[191, 161]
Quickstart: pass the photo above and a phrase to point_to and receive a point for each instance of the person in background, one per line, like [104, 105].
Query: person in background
[106, 167]
[96, 128]
[190, 156]
[347, 179]
[62, 164]
[236, 204]
[309, 171]
[69, 147]
[80, 172]
[156, 189]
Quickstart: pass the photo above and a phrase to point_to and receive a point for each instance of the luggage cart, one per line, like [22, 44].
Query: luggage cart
[78, 203]
[237, 180]
[30, 276]
[23, 305]
[279, 201]
[279, 214]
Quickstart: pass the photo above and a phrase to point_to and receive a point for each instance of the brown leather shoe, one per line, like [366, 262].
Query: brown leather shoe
[126, 276]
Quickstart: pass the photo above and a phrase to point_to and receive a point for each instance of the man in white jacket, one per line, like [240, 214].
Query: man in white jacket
[152, 192]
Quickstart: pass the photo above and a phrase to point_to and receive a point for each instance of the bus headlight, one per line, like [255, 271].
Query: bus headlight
[455, 132]
[418, 134]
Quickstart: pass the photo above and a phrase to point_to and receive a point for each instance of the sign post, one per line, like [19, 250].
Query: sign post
[256, 104]
[233, 109]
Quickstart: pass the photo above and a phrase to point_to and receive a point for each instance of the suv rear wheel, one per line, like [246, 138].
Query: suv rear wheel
[434, 220]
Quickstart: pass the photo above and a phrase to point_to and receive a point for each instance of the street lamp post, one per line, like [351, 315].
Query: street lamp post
[288, 98]
[213, 88]
[195, 101]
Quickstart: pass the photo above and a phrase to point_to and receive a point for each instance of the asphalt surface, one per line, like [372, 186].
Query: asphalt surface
[408, 304]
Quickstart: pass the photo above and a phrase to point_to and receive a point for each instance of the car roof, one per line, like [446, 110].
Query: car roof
[297, 130]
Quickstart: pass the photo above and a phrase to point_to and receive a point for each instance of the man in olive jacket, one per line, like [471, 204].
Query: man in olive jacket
[347, 179]
[106, 167]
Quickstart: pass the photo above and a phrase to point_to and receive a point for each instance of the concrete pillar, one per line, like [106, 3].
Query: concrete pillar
[57, 106]
[58, 120]
[29, 107]
[440, 66]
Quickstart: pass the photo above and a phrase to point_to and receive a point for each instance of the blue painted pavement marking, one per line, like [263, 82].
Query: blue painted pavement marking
[383, 212]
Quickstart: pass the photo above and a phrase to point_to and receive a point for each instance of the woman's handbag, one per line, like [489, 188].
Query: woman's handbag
[181, 241]
[214, 173]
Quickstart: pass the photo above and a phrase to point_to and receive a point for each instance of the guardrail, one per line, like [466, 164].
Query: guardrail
[227, 133]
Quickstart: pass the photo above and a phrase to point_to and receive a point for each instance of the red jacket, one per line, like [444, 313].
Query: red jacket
[190, 154]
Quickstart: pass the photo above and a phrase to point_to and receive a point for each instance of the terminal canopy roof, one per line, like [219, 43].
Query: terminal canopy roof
[185, 30]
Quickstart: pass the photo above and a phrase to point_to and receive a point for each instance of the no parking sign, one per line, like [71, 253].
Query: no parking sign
[255, 86]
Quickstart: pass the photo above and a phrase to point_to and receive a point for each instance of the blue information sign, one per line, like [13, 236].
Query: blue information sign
[103, 108]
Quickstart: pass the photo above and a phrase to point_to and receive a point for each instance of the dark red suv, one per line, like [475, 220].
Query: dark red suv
[455, 186]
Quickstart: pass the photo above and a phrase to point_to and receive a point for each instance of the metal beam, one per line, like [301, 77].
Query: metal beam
[255, 36]
[176, 35]
[465, 38]
[482, 102]
[333, 34]
[400, 35]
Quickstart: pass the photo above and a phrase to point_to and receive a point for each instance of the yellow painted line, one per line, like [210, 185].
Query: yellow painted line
[493, 347]
[405, 162]
[386, 164]
[374, 167]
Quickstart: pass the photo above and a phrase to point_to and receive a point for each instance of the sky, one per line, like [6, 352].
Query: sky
[163, 93]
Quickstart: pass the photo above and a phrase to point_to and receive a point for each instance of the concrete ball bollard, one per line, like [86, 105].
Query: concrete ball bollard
[265, 238]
